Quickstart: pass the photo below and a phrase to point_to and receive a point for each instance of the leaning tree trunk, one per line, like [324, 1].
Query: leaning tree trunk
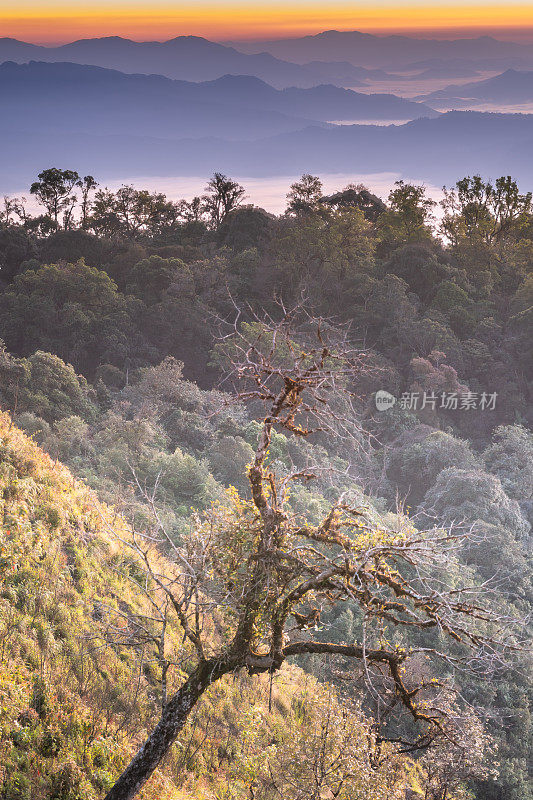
[173, 718]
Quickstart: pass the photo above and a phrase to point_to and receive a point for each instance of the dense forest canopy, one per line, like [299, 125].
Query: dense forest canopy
[119, 313]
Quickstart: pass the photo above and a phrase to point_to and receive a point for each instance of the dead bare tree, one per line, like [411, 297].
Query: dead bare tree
[236, 580]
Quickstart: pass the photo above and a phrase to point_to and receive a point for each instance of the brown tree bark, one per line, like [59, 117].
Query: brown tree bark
[173, 718]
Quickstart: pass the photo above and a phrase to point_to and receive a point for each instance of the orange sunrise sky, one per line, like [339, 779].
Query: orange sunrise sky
[61, 21]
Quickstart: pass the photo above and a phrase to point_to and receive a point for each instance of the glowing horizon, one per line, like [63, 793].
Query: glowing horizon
[62, 21]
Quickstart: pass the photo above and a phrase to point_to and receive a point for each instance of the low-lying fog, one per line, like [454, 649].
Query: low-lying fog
[410, 85]
[270, 193]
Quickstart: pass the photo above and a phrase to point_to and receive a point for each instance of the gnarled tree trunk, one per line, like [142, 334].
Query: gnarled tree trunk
[173, 718]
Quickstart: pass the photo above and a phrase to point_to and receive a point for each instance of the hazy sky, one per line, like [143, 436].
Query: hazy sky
[53, 21]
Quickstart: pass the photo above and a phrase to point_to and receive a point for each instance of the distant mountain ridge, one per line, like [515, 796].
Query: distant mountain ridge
[78, 98]
[387, 52]
[325, 102]
[63, 96]
[190, 58]
[438, 151]
[512, 86]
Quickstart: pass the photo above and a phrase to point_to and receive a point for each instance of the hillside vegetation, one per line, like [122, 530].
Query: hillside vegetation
[111, 308]
[74, 701]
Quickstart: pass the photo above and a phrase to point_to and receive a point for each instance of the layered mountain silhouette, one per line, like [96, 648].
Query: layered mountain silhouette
[463, 67]
[437, 150]
[121, 124]
[72, 97]
[346, 74]
[511, 86]
[388, 51]
[190, 58]
[445, 72]
[78, 98]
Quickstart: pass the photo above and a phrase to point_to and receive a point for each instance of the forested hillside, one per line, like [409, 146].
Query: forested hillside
[112, 309]
[79, 683]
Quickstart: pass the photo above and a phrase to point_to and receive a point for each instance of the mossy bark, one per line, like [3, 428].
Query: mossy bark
[173, 718]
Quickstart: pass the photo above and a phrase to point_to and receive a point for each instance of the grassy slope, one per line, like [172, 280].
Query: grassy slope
[73, 710]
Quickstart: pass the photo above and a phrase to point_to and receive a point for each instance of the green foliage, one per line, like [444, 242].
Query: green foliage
[479, 209]
[245, 228]
[43, 384]
[16, 247]
[132, 213]
[54, 190]
[510, 458]
[305, 195]
[466, 496]
[409, 216]
[228, 458]
[68, 717]
[151, 278]
[418, 458]
[70, 309]
[433, 314]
